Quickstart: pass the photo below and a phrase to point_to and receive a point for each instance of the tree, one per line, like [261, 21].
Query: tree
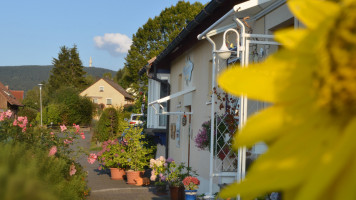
[32, 98]
[153, 37]
[108, 125]
[67, 70]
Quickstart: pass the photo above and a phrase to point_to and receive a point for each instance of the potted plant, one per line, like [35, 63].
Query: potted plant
[113, 156]
[191, 186]
[175, 175]
[137, 153]
[159, 167]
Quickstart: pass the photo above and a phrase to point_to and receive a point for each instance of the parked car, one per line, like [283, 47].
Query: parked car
[135, 119]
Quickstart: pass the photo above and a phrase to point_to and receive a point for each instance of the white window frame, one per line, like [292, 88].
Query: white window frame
[154, 94]
[95, 100]
[107, 101]
[101, 88]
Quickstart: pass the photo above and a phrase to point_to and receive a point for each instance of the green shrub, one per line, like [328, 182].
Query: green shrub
[30, 113]
[107, 125]
[29, 173]
[53, 113]
[68, 107]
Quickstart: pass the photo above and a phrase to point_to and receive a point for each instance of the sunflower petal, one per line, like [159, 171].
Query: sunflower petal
[345, 188]
[290, 38]
[256, 81]
[286, 165]
[313, 12]
[333, 160]
[263, 126]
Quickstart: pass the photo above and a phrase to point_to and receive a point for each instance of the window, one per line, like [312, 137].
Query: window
[101, 89]
[162, 120]
[95, 100]
[108, 101]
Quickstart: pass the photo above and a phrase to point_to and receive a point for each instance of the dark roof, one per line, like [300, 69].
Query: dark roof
[188, 36]
[118, 88]
[11, 99]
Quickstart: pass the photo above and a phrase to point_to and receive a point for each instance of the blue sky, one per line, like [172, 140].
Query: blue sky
[31, 32]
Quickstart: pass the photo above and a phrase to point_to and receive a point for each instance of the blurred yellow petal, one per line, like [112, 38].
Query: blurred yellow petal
[345, 187]
[311, 127]
[256, 83]
[312, 12]
[264, 126]
[332, 161]
[290, 38]
[286, 164]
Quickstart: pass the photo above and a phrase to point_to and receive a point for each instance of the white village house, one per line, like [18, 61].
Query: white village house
[182, 80]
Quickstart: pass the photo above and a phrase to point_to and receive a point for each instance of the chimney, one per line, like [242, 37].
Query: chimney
[7, 87]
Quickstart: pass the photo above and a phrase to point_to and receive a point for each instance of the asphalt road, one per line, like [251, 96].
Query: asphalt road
[103, 188]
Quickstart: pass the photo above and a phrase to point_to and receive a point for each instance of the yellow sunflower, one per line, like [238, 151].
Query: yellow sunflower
[311, 128]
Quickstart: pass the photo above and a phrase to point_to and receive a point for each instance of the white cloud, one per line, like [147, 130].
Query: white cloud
[115, 43]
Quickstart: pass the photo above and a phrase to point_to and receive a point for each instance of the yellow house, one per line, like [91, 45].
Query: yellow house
[108, 93]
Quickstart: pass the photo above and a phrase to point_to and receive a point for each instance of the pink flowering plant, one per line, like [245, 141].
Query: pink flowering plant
[15, 130]
[168, 171]
[159, 168]
[191, 183]
[113, 154]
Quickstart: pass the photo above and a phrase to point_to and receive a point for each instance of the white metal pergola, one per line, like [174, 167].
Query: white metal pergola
[243, 42]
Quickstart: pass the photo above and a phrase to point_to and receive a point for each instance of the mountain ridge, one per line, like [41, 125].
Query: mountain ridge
[25, 77]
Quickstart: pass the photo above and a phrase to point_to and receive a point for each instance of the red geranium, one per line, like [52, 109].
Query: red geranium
[191, 183]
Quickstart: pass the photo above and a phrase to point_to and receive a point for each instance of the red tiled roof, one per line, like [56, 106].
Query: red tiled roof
[11, 99]
[19, 94]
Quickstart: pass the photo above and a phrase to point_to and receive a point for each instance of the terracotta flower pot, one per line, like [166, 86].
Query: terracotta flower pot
[131, 176]
[177, 192]
[117, 173]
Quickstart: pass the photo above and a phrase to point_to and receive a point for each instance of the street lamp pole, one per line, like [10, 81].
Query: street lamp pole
[41, 100]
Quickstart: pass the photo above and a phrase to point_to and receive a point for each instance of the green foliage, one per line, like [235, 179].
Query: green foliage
[30, 113]
[152, 38]
[113, 154]
[122, 123]
[29, 173]
[175, 173]
[107, 125]
[68, 107]
[137, 152]
[68, 70]
[32, 98]
[54, 113]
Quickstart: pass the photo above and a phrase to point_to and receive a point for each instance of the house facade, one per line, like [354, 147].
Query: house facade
[107, 93]
[193, 62]
[7, 100]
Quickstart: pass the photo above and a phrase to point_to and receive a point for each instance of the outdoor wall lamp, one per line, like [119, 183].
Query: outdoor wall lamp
[224, 52]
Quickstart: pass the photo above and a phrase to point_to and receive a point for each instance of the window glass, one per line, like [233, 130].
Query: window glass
[163, 93]
[108, 101]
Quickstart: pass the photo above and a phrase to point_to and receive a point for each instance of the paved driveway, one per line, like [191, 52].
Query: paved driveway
[103, 188]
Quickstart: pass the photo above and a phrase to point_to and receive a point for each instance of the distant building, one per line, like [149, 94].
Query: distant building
[19, 94]
[8, 100]
[107, 93]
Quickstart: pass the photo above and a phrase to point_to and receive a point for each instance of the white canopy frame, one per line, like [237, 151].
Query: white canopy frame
[167, 98]
[243, 41]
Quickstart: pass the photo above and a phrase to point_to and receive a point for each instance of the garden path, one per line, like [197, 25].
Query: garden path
[103, 188]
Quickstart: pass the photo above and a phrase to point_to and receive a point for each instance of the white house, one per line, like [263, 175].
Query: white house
[189, 65]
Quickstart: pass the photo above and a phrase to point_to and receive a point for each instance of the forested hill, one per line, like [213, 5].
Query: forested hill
[26, 77]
